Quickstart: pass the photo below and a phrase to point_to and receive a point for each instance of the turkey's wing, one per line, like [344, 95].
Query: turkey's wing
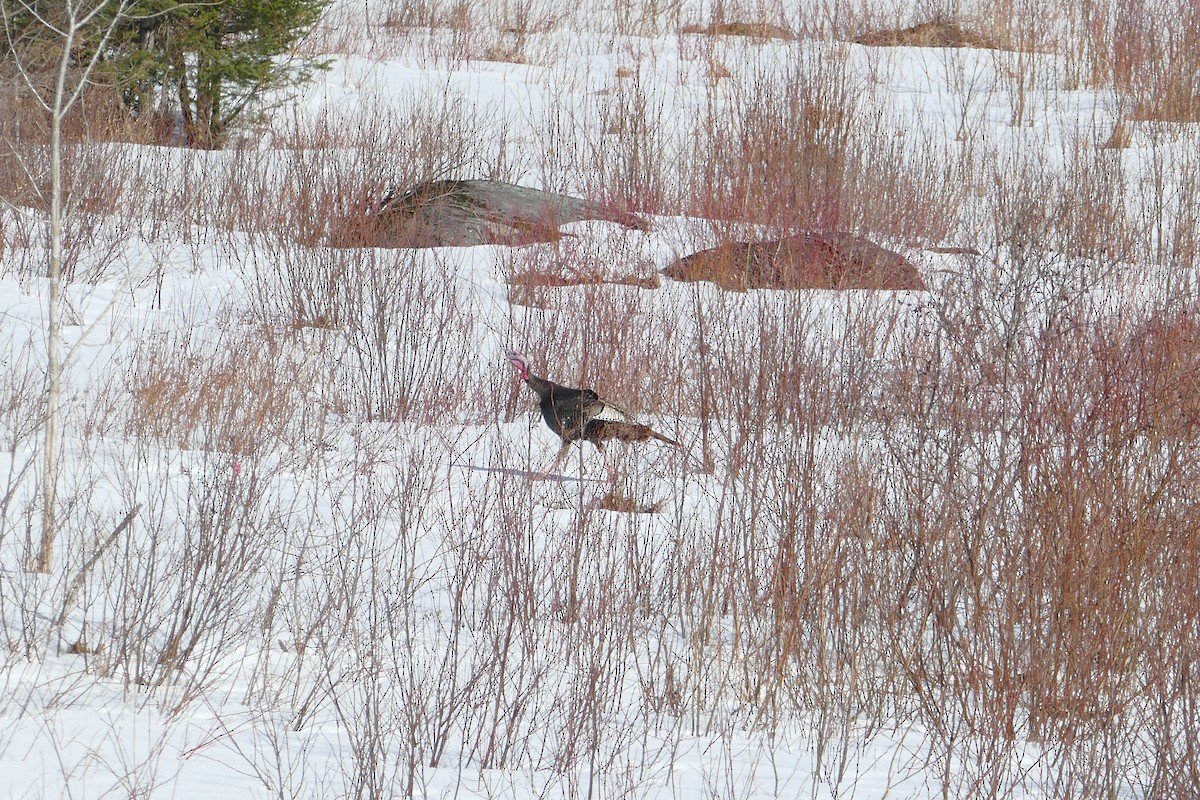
[596, 409]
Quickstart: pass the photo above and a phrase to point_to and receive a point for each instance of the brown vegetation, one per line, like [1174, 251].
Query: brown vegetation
[1156, 67]
[238, 397]
[1154, 374]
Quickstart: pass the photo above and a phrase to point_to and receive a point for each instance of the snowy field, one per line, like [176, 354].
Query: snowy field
[939, 543]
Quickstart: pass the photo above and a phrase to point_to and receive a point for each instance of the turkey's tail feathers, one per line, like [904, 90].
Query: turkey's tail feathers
[600, 430]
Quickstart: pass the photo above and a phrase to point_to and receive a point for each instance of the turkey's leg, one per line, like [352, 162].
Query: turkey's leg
[562, 456]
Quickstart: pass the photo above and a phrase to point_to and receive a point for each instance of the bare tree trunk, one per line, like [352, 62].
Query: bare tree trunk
[72, 78]
[186, 107]
[53, 319]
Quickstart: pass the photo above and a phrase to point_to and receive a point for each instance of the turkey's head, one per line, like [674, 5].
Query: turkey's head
[519, 365]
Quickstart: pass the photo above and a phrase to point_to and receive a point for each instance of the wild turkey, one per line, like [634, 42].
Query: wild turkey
[576, 414]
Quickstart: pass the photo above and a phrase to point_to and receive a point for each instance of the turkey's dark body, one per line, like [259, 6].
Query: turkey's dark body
[580, 414]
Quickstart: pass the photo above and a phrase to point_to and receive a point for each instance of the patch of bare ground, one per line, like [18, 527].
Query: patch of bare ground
[506, 54]
[616, 500]
[750, 30]
[934, 33]
[808, 260]
[532, 289]
[579, 278]
[532, 274]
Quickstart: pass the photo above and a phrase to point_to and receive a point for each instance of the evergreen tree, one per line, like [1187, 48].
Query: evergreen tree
[211, 59]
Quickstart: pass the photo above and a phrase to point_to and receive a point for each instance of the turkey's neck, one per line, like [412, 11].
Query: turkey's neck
[539, 385]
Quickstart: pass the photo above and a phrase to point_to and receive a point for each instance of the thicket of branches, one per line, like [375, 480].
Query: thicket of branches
[967, 514]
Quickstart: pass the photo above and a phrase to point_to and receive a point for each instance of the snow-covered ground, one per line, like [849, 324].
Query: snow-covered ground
[302, 551]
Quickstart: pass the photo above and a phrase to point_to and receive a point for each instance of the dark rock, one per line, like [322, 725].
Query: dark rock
[462, 213]
[806, 260]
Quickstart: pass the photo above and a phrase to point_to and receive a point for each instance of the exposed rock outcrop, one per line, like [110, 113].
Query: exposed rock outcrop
[806, 260]
[462, 213]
